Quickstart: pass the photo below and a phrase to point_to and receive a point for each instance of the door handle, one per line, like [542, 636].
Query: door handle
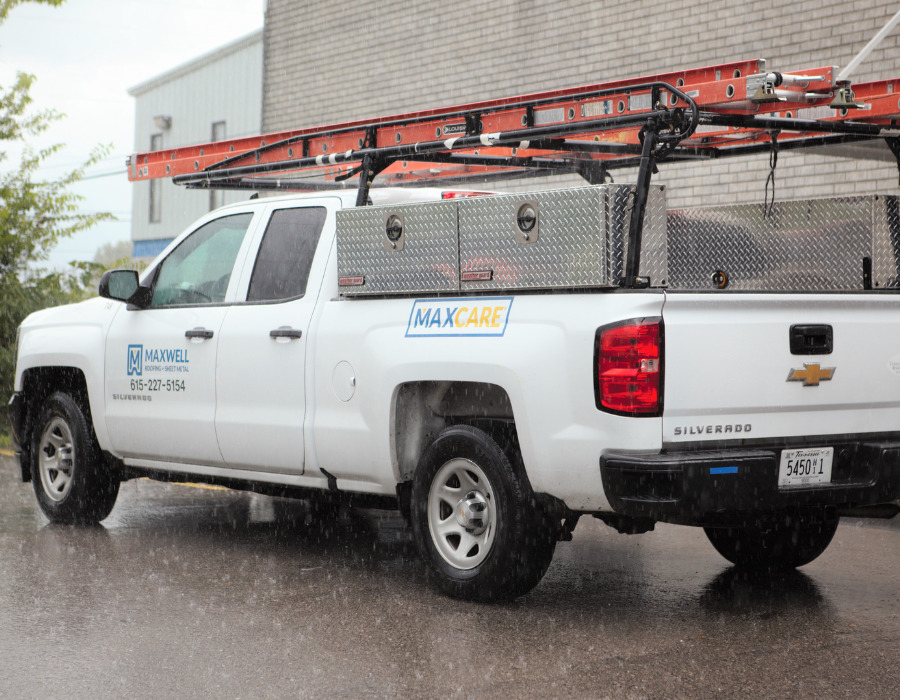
[285, 332]
[201, 333]
[811, 339]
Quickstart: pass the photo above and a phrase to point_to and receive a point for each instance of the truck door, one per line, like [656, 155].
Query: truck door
[161, 360]
[261, 385]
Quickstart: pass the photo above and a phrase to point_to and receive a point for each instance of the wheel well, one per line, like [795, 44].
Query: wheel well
[39, 383]
[423, 409]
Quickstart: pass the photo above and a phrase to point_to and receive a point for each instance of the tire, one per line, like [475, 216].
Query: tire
[476, 521]
[71, 480]
[785, 541]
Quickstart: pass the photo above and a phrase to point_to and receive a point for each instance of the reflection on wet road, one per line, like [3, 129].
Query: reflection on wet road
[189, 592]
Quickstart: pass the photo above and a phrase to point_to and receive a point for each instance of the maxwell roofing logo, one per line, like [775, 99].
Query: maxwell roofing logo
[134, 360]
[481, 316]
[156, 359]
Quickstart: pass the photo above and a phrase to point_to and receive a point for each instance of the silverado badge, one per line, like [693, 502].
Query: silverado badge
[811, 374]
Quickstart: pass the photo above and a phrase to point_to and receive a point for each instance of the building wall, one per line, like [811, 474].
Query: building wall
[341, 60]
[225, 85]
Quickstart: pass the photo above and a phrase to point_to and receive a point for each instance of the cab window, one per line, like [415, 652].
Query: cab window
[198, 270]
[286, 254]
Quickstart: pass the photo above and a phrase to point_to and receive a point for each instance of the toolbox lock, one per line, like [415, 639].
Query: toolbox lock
[393, 232]
[527, 223]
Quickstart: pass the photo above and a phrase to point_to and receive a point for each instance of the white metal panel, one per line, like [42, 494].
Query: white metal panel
[543, 360]
[727, 360]
[70, 336]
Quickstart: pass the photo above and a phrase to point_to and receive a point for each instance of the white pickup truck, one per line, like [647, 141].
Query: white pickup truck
[499, 365]
[242, 357]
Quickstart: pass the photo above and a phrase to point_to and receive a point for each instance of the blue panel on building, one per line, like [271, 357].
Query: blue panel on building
[149, 249]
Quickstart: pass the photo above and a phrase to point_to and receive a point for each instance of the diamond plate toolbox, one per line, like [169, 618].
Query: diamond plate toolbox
[803, 245]
[574, 238]
[422, 257]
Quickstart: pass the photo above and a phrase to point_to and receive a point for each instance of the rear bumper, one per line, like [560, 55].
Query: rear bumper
[709, 487]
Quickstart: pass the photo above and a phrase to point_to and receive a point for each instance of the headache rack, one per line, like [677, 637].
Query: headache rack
[718, 111]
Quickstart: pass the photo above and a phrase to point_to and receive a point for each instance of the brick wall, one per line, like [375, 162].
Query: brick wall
[342, 60]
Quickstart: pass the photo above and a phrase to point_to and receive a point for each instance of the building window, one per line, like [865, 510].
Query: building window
[155, 185]
[217, 197]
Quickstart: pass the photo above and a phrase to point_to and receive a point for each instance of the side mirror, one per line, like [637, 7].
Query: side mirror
[123, 285]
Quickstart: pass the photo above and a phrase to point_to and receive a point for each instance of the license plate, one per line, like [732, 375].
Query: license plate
[805, 467]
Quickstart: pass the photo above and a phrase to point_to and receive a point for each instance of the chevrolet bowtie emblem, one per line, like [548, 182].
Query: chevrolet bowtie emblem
[811, 374]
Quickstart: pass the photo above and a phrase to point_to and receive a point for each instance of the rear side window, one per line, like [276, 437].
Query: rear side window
[286, 253]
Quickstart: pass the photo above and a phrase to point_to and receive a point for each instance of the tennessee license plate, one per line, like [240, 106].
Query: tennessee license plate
[805, 467]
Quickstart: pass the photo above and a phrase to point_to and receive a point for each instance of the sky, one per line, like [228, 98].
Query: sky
[85, 56]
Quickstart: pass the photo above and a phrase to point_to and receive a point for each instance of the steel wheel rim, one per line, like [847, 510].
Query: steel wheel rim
[462, 514]
[56, 455]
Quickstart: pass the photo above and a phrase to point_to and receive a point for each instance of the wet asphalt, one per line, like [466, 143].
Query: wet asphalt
[188, 592]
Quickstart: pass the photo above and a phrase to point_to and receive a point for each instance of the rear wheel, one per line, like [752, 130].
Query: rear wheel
[784, 541]
[71, 480]
[475, 519]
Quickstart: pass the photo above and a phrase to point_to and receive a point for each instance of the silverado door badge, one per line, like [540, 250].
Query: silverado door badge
[811, 374]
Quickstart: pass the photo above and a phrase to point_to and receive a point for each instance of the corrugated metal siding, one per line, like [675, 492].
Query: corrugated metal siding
[349, 59]
[228, 89]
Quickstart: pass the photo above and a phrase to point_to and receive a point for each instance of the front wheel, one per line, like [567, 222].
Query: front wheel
[785, 541]
[475, 519]
[72, 482]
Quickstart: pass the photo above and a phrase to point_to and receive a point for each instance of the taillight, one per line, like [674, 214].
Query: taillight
[629, 367]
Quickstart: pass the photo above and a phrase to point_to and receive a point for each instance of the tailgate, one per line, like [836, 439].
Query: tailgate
[731, 373]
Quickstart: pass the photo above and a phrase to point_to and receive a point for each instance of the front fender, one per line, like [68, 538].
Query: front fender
[69, 337]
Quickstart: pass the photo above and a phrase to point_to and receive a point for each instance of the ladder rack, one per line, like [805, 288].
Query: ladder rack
[728, 109]
[717, 111]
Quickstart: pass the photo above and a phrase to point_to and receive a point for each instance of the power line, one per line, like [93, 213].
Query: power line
[120, 173]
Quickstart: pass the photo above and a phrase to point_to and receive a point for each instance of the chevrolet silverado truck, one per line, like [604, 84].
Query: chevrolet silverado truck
[495, 365]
